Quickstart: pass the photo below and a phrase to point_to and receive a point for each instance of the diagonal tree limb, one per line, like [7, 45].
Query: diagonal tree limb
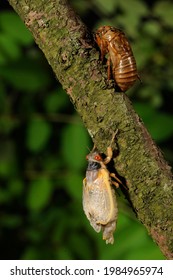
[70, 50]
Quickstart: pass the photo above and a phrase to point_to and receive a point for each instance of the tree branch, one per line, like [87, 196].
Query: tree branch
[69, 49]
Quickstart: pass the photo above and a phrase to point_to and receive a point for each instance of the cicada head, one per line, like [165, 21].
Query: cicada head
[94, 163]
[106, 33]
[102, 31]
[101, 41]
[94, 156]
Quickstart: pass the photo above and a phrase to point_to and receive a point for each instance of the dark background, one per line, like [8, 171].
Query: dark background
[43, 142]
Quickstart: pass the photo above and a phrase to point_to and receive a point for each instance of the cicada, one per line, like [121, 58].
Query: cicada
[99, 200]
[120, 59]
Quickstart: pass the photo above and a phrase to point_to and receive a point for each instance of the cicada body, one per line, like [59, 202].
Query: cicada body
[121, 61]
[99, 200]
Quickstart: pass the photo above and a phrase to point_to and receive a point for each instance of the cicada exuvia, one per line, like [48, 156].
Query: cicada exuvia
[120, 59]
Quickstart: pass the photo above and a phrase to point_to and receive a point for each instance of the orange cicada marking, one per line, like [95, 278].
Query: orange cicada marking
[120, 60]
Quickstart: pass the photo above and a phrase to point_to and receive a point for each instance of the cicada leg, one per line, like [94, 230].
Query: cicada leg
[109, 149]
[109, 155]
[109, 67]
[118, 181]
[103, 50]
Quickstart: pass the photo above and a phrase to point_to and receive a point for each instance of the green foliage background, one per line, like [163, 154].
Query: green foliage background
[43, 143]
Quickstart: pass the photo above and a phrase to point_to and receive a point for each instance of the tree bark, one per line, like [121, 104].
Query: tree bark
[70, 50]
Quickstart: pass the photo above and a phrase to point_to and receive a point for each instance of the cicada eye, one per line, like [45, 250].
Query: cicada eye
[87, 157]
[98, 157]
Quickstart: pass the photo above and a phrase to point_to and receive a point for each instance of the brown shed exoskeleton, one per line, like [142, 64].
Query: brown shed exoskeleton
[113, 42]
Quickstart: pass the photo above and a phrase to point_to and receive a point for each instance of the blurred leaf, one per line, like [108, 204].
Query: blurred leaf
[77, 243]
[143, 50]
[39, 194]
[60, 226]
[164, 10]
[145, 112]
[137, 8]
[129, 29]
[8, 159]
[74, 146]
[152, 95]
[106, 6]
[26, 74]
[130, 15]
[16, 187]
[3, 59]
[5, 168]
[52, 164]
[56, 101]
[152, 28]
[64, 253]
[7, 124]
[11, 220]
[168, 153]
[159, 124]
[74, 182]
[4, 195]
[31, 253]
[12, 25]
[150, 252]
[8, 47]
[34, 234]
[38, 133]
[3, 99]
[82, 6]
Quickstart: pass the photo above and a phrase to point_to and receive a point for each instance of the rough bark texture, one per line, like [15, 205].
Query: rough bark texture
[70, 51]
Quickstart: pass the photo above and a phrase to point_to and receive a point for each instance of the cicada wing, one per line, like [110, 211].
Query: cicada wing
[100, 206]
[88, 210]
[106, 201]
[99, 199]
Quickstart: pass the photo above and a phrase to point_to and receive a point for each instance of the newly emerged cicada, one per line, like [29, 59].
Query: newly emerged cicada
[99, 200]
[113, 42]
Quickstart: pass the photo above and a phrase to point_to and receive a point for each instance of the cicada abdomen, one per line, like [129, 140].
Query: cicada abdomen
[121, 61]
